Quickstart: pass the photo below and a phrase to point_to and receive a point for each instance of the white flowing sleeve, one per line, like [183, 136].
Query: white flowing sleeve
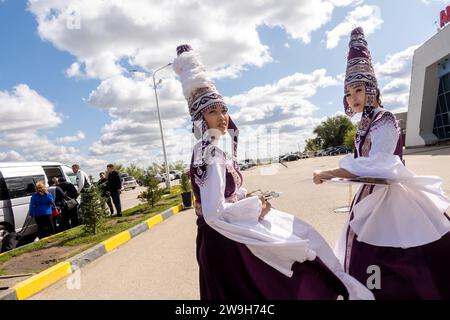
[381, 161]
[241, 193]
[380, 219]
[213, 201]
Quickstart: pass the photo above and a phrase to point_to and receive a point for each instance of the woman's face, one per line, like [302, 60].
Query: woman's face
[217, 118]
[356, 96]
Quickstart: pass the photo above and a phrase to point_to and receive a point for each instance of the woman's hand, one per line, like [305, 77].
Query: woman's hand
[317, 176]
[266, 206]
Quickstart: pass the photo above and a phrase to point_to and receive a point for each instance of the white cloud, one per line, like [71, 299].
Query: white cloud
[282, 106]
[24, 113]
[431, 1]
[396, 65]
[367, 17]
[395, 71]
[344, 3]
[11, 156]
[74, 71]
[224, 33]
[67, 139]
[134, 132]
[395, 95]
[24, 109]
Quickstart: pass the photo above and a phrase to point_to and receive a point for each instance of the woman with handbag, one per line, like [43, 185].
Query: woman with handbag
[41, 205]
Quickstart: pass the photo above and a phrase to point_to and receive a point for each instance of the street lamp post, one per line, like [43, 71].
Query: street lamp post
[160, 123]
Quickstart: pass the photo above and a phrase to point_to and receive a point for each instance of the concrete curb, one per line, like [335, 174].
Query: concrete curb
[44, 279]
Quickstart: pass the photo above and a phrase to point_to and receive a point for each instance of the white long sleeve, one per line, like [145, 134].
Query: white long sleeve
[406, 213]
[381, 161]
[80, 180]
[213, 201]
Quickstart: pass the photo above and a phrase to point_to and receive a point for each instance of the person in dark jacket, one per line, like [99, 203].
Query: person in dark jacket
[106, 194]
[58, 195]
[71, 219]
[115, 187]
[41, 204]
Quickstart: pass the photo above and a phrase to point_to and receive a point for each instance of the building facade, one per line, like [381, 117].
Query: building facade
[429, 100]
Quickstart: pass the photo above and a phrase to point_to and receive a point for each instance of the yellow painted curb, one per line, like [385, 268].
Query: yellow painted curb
[53, 274]
[116, 240]
[177, 209]
[42, 280]
[153, 221]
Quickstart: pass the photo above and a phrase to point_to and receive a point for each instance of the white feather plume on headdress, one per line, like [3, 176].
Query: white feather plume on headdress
[192, 73]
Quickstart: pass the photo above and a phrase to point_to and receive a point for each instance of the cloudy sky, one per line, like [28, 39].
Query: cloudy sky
[66, 93]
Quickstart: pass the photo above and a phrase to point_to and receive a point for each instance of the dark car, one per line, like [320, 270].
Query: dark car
[250, 163]
[323, 152]
[243, 166]
[290, 157]
[340, 150]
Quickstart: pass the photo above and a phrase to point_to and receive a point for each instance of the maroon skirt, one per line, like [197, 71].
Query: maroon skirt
[417, 273]
[229, 270]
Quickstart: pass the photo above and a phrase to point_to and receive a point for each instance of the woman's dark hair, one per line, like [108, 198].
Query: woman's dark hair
[379, 97]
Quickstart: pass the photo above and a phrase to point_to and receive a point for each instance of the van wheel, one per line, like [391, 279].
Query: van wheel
[4, 231]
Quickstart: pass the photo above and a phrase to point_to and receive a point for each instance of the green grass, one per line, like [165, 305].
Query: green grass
[77, 236]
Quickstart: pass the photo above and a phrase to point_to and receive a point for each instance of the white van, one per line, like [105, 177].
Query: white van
[17, 185]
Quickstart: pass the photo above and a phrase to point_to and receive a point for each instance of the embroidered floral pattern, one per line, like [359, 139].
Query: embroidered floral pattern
[237, 181]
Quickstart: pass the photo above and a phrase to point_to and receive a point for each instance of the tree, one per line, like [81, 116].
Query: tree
[349, 139]
[185, 183]
[312, 144]
[331, 132]
[93, 208]
[119, 168]
[154, 169]
[179, 165]
[134, 171]
[153, 194]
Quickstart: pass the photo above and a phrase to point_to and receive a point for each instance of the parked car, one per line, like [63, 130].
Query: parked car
[129, 183]
[303, 155]
[340, 150]
[250, 163]
[290, 157]
[162, 177]
[323, 152]
[176, 174]
[17, 184]
[243, 166]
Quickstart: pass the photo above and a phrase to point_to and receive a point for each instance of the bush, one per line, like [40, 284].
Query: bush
[349, 139]
[93, 207]
[185, 183]
[153, 194]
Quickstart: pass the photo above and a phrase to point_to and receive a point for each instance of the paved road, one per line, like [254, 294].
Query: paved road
[157, 264]
[160, 264]
[128, 198]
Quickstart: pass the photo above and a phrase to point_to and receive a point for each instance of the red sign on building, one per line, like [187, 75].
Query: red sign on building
[445, 16]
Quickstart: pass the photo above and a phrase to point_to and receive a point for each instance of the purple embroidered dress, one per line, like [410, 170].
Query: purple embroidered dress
[397, 237]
